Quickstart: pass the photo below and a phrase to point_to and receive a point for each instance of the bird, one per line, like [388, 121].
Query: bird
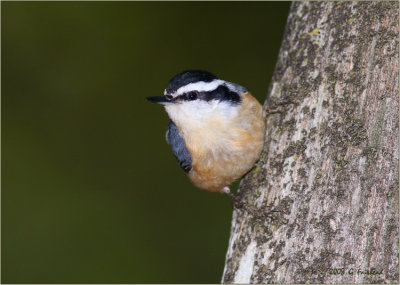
[216, 128]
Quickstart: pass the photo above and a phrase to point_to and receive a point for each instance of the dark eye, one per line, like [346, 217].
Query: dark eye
[169, 97]
[192, 95]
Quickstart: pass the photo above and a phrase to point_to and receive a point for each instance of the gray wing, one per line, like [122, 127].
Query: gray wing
[179, 149]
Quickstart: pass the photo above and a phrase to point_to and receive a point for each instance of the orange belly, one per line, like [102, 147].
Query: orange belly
[216, 173]
[224, 153]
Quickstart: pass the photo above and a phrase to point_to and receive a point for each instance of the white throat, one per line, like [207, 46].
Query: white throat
[198, 114]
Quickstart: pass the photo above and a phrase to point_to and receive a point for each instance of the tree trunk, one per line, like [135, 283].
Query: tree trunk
[330, 160]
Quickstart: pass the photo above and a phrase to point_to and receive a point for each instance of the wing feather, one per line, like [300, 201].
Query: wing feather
[179, 149]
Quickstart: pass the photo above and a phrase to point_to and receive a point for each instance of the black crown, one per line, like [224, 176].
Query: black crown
[188, 76]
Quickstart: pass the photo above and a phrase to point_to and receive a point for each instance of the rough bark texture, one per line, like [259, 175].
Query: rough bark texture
[330, 161]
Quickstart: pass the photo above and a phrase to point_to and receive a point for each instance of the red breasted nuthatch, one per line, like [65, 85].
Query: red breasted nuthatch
[216, 129]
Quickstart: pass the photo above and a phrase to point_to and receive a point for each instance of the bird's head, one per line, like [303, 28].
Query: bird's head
[195, 97]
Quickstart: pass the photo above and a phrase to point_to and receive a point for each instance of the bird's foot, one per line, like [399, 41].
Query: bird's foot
[239, 204]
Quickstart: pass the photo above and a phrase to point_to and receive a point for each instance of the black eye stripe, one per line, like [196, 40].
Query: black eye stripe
[192, 95]
[222, 93]
[189, 96]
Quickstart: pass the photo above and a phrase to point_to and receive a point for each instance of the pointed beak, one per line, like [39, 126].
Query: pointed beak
[159, 100]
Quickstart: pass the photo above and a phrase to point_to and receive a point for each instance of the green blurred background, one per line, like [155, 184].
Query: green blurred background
[91, 192]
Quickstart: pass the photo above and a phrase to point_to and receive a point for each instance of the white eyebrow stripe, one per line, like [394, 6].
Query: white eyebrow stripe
[199, 86]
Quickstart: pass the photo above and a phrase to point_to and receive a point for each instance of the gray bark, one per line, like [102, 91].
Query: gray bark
[330, 160]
